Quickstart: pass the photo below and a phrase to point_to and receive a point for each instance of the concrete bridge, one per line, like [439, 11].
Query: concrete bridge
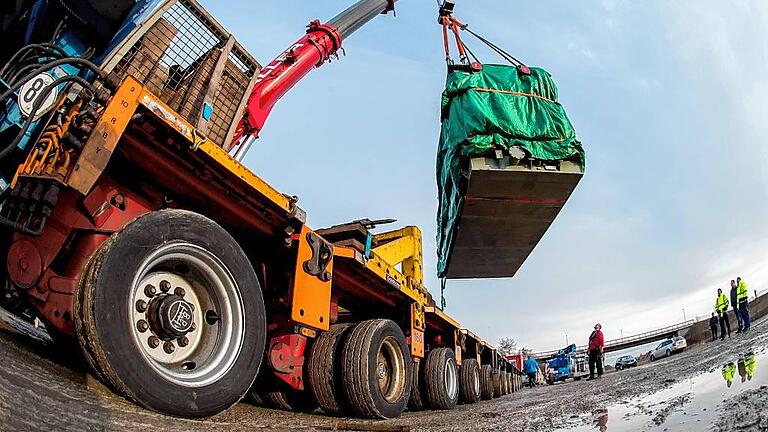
[629, 341]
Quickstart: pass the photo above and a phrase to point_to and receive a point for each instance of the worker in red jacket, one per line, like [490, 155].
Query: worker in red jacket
[595, 351]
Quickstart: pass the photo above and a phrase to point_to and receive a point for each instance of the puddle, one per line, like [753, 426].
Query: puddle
[690, 405]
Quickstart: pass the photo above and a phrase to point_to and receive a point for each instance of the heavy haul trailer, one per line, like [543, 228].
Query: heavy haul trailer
[131, 227]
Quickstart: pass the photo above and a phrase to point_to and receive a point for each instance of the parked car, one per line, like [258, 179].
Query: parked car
[679, 344]
[625, 362]
[668, 347]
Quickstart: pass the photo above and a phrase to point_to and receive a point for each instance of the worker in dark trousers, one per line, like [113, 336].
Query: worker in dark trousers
[530, 367]
[713, 326]
[735, 305]
[721, 307]
[742, 296]
[595, 352]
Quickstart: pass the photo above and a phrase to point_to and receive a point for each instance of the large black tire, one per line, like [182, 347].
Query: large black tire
[105, 327]
[324, 369]
[514, 382]
[288, 399]
[470, 381]
[503, 378]
[508, 381]
[417, 400]
[258, 398]
[376, 369]
[497, 383]
[486, 382]
[441, 379]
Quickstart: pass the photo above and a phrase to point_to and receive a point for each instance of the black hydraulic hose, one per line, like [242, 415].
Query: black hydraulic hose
[358, 15]
[46, 47]
[15, 75]
[36, 106]
[50, 65]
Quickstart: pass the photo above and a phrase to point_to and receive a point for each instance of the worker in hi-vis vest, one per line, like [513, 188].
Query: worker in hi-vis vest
[742, 296]
[721, 306]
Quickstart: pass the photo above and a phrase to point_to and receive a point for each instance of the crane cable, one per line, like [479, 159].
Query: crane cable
[452, 25]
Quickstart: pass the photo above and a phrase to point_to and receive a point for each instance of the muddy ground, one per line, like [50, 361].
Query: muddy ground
[685, 392]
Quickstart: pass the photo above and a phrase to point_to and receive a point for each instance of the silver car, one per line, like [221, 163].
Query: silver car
[668, 347]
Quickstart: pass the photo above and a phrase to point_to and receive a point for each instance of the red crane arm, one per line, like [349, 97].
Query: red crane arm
[321, 42]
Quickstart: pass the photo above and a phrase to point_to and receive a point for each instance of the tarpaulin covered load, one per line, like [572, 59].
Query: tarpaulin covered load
[531, 162]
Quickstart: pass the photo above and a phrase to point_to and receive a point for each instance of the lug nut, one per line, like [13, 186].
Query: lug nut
[142, 326]
[169, 347]
[150, 290]
[183, 341]
[165, 286]
[192, 327]
[179, 291]
[141, 306]
[153, 342]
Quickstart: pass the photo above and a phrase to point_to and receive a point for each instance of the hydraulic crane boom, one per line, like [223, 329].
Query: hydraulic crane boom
[321, 42]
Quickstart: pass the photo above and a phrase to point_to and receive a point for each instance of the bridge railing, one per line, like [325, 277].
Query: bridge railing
[627, 339]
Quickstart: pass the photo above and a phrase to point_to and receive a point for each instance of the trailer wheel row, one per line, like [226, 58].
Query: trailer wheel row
[417, 400]
[486, 382]
[324, 370]
[470, 381]
[441, 379]
[170, 314]
[376, 369]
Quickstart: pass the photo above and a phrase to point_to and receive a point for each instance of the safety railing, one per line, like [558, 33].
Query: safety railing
[628, 340]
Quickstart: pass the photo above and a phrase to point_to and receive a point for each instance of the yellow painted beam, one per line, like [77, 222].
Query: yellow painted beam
[403, 246]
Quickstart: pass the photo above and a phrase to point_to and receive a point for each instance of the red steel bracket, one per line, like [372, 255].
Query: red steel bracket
[286, 356]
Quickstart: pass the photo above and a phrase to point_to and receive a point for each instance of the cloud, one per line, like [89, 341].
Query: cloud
[668, 98]
[674, 200]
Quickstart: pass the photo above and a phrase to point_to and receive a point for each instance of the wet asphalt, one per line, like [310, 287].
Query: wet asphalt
[41, 391]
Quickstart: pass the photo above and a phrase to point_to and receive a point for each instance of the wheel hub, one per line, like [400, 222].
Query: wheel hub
[382, 370]
[187, 317]
[170, 316]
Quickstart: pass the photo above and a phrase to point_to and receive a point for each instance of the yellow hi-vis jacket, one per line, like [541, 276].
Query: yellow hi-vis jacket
[722, 303]
[742, 293]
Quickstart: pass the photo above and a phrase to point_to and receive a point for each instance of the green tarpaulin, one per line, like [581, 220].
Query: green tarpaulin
[497, 108]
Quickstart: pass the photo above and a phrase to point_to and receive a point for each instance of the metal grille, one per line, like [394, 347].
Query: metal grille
[177, 58]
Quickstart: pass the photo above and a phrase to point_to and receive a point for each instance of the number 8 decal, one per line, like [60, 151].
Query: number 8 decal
[31, 92]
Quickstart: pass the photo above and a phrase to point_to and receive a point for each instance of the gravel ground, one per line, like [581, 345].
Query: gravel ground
[40, 392]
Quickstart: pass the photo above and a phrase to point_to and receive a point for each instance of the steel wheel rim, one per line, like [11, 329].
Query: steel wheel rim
[213, 345]
[390, 370]
[451, 379]
[476, 381]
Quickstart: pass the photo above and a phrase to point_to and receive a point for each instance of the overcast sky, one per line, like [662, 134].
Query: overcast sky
[669, 99]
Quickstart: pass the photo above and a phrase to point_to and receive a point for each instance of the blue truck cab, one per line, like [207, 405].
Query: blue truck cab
[41, 31]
